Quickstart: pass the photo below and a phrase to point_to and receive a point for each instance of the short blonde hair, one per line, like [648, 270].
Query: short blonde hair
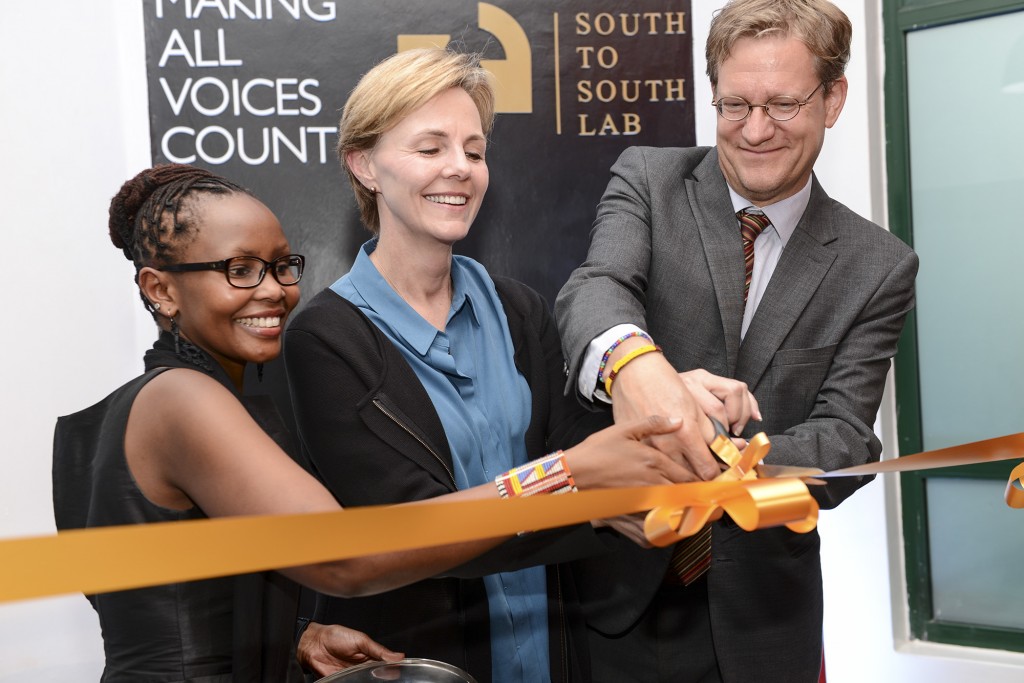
[395, 88]
[821, 26]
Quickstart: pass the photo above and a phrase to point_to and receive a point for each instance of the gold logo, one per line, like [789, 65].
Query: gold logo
[513, 75]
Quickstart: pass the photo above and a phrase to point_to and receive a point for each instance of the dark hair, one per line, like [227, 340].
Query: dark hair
[150, 220]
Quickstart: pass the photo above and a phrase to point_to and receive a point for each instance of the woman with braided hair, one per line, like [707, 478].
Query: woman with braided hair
[181, 442]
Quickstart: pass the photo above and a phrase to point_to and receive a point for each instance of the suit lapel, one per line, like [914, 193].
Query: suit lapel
[723, 247]
[804, 263]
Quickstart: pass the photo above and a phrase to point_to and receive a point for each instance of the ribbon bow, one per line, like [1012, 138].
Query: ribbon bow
[771, 496]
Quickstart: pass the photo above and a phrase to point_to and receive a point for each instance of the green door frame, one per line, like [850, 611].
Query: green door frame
[899, 18]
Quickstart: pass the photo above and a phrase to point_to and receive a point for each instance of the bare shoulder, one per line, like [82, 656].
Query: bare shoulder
[184, 388]
[179, 405]
[169, 425]
[195, 443]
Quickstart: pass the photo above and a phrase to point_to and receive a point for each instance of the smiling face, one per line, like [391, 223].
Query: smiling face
[765, 160]
[429, 171]
[233, 325]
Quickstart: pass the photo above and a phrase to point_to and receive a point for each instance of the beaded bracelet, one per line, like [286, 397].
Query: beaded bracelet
[611, 349]
[549, 474]
[621, 363]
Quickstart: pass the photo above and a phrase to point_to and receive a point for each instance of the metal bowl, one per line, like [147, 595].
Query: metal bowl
[405, 671]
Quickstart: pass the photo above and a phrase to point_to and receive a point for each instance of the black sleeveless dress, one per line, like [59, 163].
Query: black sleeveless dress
[226, 630]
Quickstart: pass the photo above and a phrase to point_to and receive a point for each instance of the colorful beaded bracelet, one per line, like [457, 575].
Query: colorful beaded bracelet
[621, 363]
[611, 349]
[549, 474]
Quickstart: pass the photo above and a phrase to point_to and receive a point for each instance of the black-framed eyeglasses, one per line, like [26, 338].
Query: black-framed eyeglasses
[780, 108]
[248, 271]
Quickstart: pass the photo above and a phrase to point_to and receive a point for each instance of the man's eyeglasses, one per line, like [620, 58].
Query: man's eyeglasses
[248, 271]
[781, 108]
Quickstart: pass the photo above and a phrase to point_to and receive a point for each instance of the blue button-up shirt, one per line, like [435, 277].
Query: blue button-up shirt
[484, 404]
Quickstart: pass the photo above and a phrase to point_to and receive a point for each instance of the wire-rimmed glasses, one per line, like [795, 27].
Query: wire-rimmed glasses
[781, 108]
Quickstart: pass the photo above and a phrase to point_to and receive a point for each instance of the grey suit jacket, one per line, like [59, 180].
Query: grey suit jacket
[666, 255]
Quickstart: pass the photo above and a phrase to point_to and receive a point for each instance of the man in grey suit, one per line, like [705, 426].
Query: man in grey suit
[812, 339]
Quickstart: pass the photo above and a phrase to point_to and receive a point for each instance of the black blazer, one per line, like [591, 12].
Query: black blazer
[370, 431]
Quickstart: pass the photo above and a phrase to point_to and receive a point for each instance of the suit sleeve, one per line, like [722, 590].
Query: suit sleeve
[568, 421]
[838, 432]
[609, 287]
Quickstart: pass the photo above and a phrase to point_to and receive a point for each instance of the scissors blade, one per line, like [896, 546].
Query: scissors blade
[787, 471]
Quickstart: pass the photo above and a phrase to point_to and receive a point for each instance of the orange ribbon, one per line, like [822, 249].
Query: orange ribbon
[1015, 487]
[123, 557]
[760, 503]
[768, 500]
[113, 558]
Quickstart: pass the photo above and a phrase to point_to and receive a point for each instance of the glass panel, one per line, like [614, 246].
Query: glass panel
[975, 576]
[966, 101]
[966, 122]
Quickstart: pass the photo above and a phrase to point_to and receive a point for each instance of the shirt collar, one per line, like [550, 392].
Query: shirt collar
[784, 215]
[403, 320]
[462, 294]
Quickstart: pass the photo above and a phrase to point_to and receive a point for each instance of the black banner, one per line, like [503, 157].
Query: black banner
[253, 89]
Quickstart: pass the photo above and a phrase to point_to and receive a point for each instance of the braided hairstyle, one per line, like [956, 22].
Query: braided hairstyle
[150, 219]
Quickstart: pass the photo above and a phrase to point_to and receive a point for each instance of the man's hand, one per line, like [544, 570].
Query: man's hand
[630, 526]
[324, 649]
[727, 400]
[648, 385]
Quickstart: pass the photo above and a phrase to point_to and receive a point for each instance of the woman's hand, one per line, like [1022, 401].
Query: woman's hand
[324, 649]
[617, 456]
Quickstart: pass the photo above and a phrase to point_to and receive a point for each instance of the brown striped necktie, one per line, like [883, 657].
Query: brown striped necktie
[691, 557]
[751, 225]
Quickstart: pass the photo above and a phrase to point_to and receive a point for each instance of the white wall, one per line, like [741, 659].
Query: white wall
[73, 127]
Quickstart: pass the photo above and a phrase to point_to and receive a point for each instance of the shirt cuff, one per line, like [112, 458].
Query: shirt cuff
[586, 382]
